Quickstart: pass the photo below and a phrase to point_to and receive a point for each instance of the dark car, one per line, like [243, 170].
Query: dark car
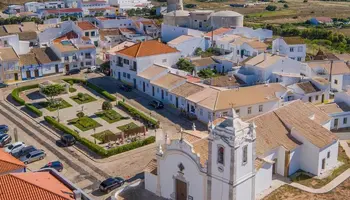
[3, 85]
[5, 139]
[57, 165]
[125, 87]
[73, 71]
[67, 140]
[156, 104]
[24, 151]
[4, 129]
[111, 183]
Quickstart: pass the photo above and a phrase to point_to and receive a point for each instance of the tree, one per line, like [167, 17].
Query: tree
[185, 65]
[51, 91]
[106, 105]
[271, 8]
[207, 73]
[81, 96]
[198, 51]
[80, 115]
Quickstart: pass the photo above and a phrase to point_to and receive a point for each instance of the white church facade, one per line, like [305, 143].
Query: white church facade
[238, 159]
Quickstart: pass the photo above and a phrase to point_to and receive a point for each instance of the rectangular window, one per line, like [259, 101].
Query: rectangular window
[128, 75]
[237, 52]
[209, 115]
[171, 97]
[298, 58]
[88, 63]
[126, 61]
[328, 154]
[249, 110]
[260, 108]
[237, 111]
[245, 155]
[87, 34]
[335, 81]
[300, 49]
[124, 74]
[66, 58]
[291, 49]
[310, 99]
[316, 98]
[345, 120]
[201, 112]
[166, 93]
[224, 114]
[93, 33]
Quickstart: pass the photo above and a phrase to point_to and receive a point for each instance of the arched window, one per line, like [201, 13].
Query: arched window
[221, 152]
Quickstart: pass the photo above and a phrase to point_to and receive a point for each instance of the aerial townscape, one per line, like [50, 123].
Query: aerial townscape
[174, 100]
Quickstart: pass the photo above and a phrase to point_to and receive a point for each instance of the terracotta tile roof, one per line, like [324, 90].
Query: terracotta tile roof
[120, 46]
[27, 59]
[147, 48]
[127, 30]
[187, 89]
[67, 36]
[295, 115]
[108, 32]
[207, 93]
[321, 80]
[13, 28]
[2, 31]
[152, 71]
[257, 45]
[339, 67]
[224, 81]
[33, 186]
[8, 54]
[345, 57]
[180, 39]
[26, 36]
[102, 18]
[192, 79]
[65, 48]
[332, 108]
[151, 167]
[8, 163]
[85, 38]
[308, 87]
[168, 81]
[45, 55]
[28, 26]
[201, 147]
[218, 31]
[259, 61]
[86, 25]
[203, 62]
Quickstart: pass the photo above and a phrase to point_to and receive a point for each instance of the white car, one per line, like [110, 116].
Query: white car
[92, 68]
[14, 147]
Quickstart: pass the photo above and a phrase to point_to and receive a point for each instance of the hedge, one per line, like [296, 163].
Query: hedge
[99, 90]
[96, 148]
[134, 112]
[34, 109]
[15, 93]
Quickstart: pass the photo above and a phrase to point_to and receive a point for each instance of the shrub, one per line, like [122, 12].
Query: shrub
[80, 114]
[106, 105]
[15, 93]
[72, 89]
[271, 8]
[285, 6]
[134, 112]
[34, 109]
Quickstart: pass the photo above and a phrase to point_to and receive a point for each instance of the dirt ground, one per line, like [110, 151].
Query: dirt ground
[341, 192]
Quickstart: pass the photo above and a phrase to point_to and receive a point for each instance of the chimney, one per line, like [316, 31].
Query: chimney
[77, 194]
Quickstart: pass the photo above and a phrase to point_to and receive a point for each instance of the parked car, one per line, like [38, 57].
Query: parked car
[3, 85]
[4, 128]
[73, 71]
[15, 147]
[111, 183]
[57, 165]
[33, 156]
[92, 69]
[24, 151]
[125, 87]
[5, 139]
[68, 140]
[156, 104]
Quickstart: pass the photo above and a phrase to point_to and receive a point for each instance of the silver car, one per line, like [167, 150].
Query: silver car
[33, 156]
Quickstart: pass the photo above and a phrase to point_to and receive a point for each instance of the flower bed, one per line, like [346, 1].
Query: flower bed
[150, 122]
[63, 104]
[102, 136]
[128, 126]
[96, 148]
[83, 98]
[84, 123]
[110, 116]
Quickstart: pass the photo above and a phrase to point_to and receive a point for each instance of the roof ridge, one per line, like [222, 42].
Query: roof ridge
[38, 185]
[138, 49]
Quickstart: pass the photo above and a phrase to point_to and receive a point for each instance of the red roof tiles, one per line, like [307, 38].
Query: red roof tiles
[8, 164]
[147, 48]
[86, 25]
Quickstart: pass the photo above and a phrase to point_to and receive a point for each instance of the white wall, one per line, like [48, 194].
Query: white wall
[263, 178]
[331, 162]
[340, 116]
[188, 47]
[299, 50]
[294, 160]
[151, 182]
[169, 32]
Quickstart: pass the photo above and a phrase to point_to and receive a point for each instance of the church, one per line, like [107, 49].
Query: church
[238, 158]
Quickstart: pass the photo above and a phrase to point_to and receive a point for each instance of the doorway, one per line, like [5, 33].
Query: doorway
[162, 94]
[143, 86]
[16, 77]
[323, 163]
[135, 83]
[177, 102]
[152, 90]
[322, 98]
[274, 166]
[56, 69]
[28, 74]
[335, 123]
[67, 68]
[118, 75]
[181, 190]
[36, 73]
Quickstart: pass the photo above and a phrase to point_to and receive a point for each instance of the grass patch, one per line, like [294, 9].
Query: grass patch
[318, 183]
[102, 135]
[72, 89]
[110, 116]
[128, 126]
[84, 123]
[85, 98]
[272, 13]
[63, 104]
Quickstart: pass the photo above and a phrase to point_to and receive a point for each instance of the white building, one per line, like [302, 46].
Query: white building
[89, 30]
[9, 69]
[125, 5]
[337, 73]
[187, 44]
[340, 114]
[293, 47]
[129, 62]
[314, 91]
[238, 159]
[34, 6]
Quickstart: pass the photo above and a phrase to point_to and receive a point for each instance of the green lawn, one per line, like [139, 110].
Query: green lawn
[272, 13]
[63, 104]
[72, 89]
[110, 116]
[318, 183]
[85, 99]
[129, 126]
[101, 136]
[84, 123]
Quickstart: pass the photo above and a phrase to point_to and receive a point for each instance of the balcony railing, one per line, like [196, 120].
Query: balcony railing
[88, 57]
